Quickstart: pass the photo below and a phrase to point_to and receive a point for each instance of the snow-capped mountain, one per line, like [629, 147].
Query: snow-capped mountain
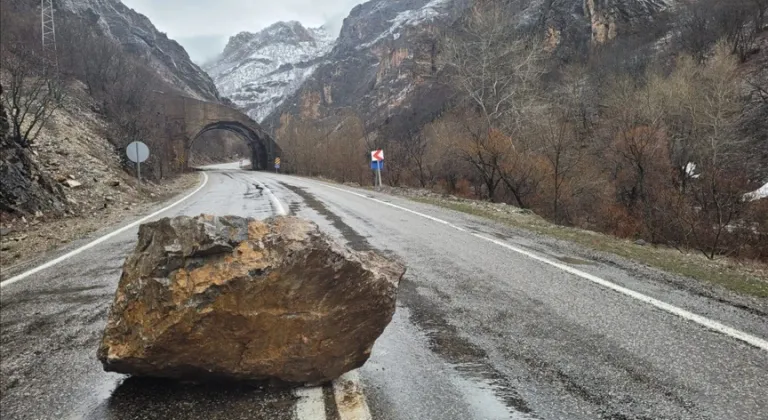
[257, 71]
[380, 65]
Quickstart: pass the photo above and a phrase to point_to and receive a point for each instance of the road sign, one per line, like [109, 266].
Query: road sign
[377, 164]
[277, 163]
[137, 152]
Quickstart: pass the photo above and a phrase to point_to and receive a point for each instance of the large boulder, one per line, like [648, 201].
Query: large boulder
[234, 298]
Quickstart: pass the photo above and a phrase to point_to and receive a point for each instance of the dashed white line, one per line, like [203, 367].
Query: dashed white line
[100, 240]
[682, 313]
[310, 405]
[350, 399]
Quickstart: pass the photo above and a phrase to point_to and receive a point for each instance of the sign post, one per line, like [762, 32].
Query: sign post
[137, 152]
[277, 165]
[377, 162]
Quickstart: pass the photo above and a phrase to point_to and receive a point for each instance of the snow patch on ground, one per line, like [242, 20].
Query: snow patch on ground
[760, 193]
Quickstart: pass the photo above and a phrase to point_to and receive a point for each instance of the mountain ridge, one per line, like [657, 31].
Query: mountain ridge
[138, 35]
[256, 71]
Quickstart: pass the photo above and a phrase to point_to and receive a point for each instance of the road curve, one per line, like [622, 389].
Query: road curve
[481, 332]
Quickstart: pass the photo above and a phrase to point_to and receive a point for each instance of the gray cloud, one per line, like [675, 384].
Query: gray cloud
[204, 26]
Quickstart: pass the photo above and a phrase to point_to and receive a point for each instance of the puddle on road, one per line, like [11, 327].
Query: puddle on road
[468, 359]
[354, 239]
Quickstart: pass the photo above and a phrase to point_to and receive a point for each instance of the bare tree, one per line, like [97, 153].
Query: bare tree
[495, 71]
[33, 93]
[558, 143]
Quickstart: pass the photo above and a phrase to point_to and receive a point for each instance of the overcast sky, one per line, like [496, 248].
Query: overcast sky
[204, 26]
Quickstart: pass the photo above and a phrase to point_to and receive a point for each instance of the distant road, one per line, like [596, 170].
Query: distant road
[492, 324]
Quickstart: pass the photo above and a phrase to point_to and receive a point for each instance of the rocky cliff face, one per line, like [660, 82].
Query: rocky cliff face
[380, 64]
[607, 17]
[138, 35]
[257, 71]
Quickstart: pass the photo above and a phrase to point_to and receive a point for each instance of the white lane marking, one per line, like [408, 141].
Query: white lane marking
[279, 209]
[682, 313]
[100, 240]
[350, 399]
[311, 405]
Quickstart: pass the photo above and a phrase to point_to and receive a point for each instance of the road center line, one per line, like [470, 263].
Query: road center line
[102, 239]
[350, 399]
[279, 209]
[310, 405]
[674, 310]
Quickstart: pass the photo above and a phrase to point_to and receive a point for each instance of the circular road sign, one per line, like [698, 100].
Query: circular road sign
[137, 152]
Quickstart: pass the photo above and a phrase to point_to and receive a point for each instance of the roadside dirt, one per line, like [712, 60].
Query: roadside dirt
[74, 150]
[25, 239]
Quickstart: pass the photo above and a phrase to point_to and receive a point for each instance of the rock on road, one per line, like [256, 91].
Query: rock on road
[481, 332]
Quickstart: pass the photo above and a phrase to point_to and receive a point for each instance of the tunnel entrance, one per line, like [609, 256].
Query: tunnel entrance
[261, 150]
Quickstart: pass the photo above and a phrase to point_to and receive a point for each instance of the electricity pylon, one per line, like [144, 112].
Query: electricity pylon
[49, 34]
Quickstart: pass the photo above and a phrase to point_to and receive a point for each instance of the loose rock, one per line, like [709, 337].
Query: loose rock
[71, 183]
[233, 298]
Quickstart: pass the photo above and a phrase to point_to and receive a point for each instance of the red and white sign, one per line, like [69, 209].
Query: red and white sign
[377, 156]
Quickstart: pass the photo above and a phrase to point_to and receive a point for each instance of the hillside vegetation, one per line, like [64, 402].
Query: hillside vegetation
[653, 127]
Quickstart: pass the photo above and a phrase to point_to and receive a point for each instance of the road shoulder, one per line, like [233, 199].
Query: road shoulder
[690, 270]
[47, 241]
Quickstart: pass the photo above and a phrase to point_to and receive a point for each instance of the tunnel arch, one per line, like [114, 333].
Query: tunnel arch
[262, 150]
[186, 119]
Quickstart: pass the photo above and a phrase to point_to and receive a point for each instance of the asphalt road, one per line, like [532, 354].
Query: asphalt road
[492, 323]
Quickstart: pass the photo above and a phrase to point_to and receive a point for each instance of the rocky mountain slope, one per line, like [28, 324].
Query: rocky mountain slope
[381, 62]
[387, 56]
[138, 35]
[257, 71]
[607, 17]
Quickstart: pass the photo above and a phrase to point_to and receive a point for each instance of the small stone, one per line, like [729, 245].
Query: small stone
[114, 183]
[641, 242]
[70, 176]
[109, 199]
[71, 183]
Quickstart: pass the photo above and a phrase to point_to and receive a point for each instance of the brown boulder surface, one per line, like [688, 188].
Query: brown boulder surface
[234, 298]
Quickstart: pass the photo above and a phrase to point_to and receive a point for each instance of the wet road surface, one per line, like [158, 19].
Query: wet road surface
[480, 333]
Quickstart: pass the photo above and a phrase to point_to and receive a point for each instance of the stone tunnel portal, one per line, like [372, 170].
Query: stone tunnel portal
[261, 149]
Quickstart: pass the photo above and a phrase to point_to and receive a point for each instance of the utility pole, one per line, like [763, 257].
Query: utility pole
[49, 34]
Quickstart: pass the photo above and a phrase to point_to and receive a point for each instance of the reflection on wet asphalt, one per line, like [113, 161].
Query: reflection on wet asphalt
[480, 333]
[170, 400]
